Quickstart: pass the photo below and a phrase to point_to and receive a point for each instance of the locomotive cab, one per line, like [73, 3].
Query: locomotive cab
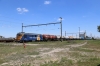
[18, 37]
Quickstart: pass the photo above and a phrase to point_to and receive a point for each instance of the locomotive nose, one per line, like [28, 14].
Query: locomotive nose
[18, 37]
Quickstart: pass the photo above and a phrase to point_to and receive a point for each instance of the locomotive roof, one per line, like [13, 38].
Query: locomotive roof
[29, 33]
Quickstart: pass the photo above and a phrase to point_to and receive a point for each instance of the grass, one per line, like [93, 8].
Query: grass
[26, 65]
[94, 61]
[81, 49]
[62, 62]
[58, 42]
[11, 52]
[82, 59]
[1, 61]
[94, 44]
[75, 56]
[66, 62]
[55, 44]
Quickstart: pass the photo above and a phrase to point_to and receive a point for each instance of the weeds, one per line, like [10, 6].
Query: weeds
[93, 61]
[63, 62]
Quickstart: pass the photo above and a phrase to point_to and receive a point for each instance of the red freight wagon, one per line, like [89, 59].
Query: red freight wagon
[45, 37]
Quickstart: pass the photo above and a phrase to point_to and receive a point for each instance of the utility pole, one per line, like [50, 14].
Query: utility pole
[94, 36]
[91, 35]
[85, 34]
[79, 32]
[22, 27]
[61, 27]
[76, 35]
[65, 33]
[23, 36]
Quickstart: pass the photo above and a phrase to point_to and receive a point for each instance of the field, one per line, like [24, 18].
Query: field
[66, 53]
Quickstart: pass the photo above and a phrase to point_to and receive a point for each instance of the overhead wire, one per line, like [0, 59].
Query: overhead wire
[19, 22]
[42, 28]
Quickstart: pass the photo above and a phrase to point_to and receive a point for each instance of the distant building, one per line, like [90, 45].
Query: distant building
[82, 35]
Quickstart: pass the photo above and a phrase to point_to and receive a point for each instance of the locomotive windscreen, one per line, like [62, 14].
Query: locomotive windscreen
[18, 34]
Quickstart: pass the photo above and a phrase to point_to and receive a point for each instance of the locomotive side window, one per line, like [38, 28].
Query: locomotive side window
[31, 36]
[35, 35]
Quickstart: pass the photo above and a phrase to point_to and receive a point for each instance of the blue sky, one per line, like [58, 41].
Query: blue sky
[75, 13]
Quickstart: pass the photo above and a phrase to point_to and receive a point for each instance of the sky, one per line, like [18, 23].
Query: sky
[75, 13]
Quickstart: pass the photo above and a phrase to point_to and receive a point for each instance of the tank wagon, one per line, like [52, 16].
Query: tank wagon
[53, 37]
[7, 39]
[46, 37]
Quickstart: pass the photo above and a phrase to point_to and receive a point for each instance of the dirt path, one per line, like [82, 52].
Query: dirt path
[77, 45]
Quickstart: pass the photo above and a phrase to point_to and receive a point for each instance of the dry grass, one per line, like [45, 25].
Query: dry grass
[75, 53]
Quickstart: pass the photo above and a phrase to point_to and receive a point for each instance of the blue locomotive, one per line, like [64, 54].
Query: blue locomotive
[27, 37]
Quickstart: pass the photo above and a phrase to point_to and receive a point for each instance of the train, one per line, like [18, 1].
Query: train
[29, 37]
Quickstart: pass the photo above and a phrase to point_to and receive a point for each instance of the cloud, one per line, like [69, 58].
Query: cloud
[19, 9]
[47, 2]
[22, 10]
[25, 10]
